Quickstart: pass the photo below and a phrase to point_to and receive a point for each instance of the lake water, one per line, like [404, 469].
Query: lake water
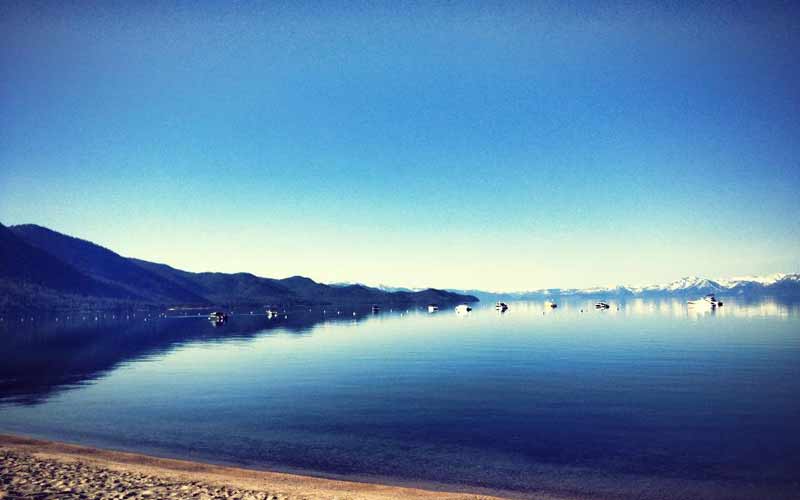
[635, 402]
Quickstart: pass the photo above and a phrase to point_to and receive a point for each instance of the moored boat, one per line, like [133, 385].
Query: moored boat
[707, 302]
[602, 305]
[432, 308]
[217, 318]
[463, 308]
[501, 306]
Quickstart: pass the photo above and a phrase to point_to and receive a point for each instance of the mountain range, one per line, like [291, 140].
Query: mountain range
[777, 285]
[43, 269]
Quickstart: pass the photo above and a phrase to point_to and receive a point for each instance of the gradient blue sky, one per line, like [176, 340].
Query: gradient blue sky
[446, 144]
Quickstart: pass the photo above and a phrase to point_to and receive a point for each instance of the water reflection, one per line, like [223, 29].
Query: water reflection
[500, 400]
[44, 354]
[667, 307]
[48, 354]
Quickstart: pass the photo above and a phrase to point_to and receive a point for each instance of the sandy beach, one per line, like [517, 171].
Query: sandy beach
[31, 468]
[48, 470]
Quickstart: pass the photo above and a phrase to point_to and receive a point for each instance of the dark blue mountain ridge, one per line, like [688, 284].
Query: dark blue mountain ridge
[44, 269]
[105, 265]
[21, 262]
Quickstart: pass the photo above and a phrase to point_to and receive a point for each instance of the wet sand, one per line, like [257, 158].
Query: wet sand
[39, 469]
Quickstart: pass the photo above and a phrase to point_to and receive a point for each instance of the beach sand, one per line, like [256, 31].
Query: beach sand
[31, 468]
[47, 470]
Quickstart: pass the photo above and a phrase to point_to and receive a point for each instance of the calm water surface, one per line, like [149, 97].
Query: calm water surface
[650, 397]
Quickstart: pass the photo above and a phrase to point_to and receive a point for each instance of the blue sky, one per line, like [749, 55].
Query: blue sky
[422, 144]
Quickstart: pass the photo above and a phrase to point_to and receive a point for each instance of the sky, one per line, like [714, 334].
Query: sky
[500, 146]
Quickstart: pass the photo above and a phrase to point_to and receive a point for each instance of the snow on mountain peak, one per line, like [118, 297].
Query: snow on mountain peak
[765, 280]
[690, 282]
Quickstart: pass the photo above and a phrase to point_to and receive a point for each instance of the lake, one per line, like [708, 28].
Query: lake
[645, 398]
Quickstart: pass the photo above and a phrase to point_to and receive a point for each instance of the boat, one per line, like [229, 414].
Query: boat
[217, 318]
[501, 306]
[550, 304]
[272, 313]
[463, 308]
[376, 309]
[602, 305]
[432, 308]
[707, 302]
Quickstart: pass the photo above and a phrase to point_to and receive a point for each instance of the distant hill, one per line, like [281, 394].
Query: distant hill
[20, 261]
[248, 288]
[31, 276]
[105, 266]
[43, 269]
[221, 288]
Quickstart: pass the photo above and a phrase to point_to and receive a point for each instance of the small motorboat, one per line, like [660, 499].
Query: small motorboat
[272, 313]
[432, 308]
[217, 318]
[550, 304]
[707, 302]
[463, 308]
[376, 309]
[501, 306]
[602, 305]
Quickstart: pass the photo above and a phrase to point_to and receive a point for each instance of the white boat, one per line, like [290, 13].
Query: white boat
[272, 313]
[376, 309]
[501, 306]
[707, 302]
[432, 308]
[463, 308]
[217, 318]
[602, 305]
[550, 304]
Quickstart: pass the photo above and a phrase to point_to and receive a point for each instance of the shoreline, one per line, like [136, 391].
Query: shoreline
[41, 468]
[76, 470]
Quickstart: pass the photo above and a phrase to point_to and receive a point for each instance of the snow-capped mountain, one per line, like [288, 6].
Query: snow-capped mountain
[778, 285]
[693, 283]
[379, 286]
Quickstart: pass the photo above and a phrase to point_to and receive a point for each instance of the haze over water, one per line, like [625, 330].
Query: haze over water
[700, 404]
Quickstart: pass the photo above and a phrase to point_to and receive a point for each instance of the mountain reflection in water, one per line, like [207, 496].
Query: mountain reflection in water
[648, 399]
[47, 353]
